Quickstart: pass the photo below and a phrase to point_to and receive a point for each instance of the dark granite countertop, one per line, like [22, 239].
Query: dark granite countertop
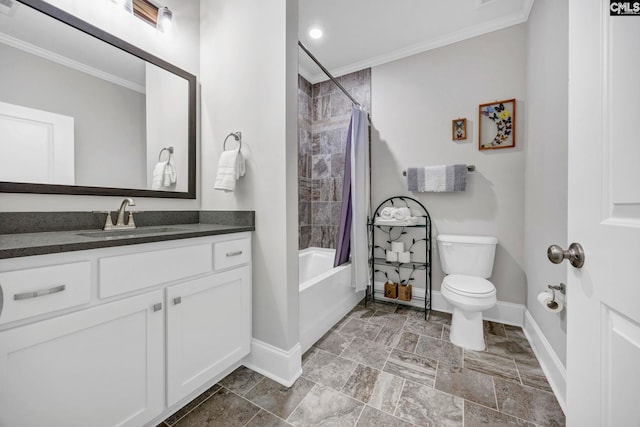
[48, 233]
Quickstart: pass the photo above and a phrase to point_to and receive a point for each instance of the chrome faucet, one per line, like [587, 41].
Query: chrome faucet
[123, 206]
[120, 224]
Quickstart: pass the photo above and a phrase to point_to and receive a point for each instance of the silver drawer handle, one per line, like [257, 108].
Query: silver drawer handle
[236, 253]
[40, 293]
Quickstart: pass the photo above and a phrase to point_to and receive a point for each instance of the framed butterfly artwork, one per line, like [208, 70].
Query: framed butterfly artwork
[459, 129]
[497, 125]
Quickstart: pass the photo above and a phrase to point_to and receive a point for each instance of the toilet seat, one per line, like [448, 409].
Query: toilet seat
[468, 285]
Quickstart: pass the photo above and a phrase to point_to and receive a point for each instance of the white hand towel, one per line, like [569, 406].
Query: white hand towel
[164, 175]
[169, 175]
[158, 176]
[231, 166]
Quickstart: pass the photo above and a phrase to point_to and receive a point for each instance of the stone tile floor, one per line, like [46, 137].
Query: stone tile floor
[384, 365]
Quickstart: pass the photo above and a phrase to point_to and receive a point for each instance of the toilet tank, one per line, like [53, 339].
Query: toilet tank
[468, 255]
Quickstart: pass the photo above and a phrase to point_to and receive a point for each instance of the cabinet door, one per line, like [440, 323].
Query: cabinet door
[208, 329]
[97, 367]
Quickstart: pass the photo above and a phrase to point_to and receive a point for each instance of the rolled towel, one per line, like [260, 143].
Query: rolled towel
[401, 214]
[231, 166]
[387, 212]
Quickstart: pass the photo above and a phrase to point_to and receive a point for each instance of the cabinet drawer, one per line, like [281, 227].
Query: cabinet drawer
[231, 253]
[35, 291]
[126, 273]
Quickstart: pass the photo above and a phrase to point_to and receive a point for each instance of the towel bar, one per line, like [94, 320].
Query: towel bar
[470, 168]
[237, 136]
[169, 149]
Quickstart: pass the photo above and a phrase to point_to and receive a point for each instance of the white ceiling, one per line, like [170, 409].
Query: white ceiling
[364, 33]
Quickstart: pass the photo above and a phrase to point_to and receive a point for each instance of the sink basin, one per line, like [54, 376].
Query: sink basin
[124, 234]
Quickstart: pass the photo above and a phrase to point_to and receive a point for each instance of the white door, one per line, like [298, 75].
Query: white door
[36, 146]
[208, 329]
[603, 335]
[99, 367]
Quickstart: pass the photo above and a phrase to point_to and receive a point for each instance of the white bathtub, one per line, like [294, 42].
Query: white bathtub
[326, 294]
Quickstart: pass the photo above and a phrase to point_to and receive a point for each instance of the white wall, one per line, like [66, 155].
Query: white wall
[180, 47]
[249, 84]
[546, 160]
[413, 102]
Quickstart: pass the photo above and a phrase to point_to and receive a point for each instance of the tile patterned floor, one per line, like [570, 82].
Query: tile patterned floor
[385, 365]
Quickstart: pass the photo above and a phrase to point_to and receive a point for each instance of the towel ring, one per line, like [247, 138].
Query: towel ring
[237, 136]
[169, 149]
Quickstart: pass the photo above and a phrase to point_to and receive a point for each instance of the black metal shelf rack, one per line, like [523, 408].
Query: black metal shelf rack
[408, 234]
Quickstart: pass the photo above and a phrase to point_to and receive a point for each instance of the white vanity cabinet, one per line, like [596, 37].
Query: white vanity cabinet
[207, 329]
[97, 367]
[121, 336]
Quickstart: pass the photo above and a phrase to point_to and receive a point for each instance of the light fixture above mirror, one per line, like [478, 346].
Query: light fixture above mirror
[157, 16]
[165, 20]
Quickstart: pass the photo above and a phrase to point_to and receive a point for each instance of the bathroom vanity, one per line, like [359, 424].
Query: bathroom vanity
[122, 333]
[120, 327]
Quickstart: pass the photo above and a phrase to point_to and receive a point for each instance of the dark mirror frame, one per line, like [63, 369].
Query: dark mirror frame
[60, 15]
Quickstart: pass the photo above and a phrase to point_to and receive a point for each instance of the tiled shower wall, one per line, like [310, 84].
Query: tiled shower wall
[323, 122]
[304, 163]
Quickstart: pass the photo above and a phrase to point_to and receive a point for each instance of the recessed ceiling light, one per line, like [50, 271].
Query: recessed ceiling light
[316, 32]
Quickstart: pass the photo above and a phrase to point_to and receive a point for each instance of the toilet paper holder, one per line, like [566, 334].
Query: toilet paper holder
[562, 288]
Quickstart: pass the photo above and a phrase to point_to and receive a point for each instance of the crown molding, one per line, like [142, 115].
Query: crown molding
[445, 40]
[68, 62]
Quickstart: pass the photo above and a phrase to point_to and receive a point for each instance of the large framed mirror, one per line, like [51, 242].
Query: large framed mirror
[84, 112]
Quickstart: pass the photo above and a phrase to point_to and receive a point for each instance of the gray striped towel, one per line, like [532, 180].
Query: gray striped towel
[437, 179]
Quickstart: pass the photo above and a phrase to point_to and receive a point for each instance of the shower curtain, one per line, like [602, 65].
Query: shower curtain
[353, 234]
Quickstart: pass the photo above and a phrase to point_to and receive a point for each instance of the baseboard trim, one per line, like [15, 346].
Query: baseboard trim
[549, 361]
[282, 366]
[503, 312]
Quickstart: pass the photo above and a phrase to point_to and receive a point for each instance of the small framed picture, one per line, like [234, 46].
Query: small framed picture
[497, 125]
[459, 129]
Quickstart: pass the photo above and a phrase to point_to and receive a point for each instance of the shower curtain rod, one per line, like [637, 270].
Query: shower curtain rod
[324, 70]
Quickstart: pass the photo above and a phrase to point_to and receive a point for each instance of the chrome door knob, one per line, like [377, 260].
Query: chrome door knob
[575, 254]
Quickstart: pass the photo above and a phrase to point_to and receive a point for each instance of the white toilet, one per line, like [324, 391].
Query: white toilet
[467, 262]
